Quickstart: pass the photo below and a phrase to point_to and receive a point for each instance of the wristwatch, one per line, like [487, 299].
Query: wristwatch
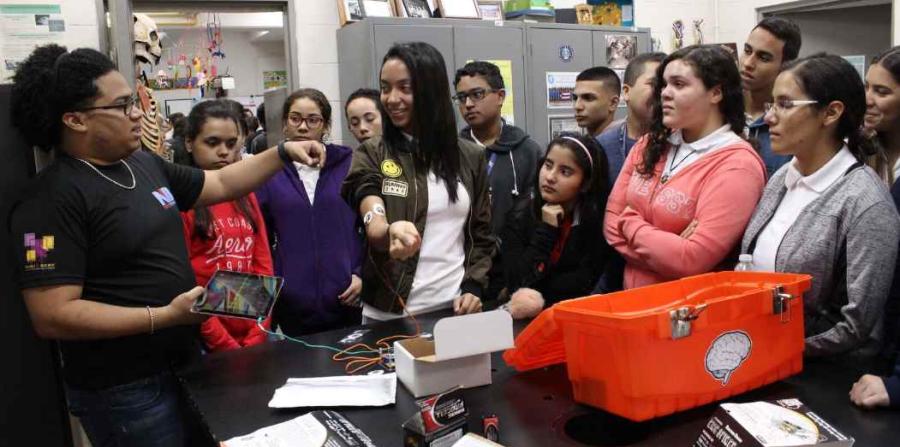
[282, 153]
[377, 209]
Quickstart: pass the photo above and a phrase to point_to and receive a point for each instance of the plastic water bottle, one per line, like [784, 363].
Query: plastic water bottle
[745, 263]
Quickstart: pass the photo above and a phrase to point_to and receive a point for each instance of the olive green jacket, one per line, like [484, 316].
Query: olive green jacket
[390, 173]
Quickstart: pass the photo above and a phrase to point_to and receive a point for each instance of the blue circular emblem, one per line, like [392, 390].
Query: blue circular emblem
[566, 53]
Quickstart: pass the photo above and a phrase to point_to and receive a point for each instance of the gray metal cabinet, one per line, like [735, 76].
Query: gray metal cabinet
[439, 36]
[552, 50]
[362, 46]
[496, 43]
[556, 47]
[534, 49]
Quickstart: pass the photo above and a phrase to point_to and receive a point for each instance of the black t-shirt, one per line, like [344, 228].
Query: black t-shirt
[125, 247]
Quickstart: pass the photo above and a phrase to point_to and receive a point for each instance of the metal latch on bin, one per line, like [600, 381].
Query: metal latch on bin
[681, 319]
[780, 303]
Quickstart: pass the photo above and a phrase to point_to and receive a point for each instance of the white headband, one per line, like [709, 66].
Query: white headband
[586, 151]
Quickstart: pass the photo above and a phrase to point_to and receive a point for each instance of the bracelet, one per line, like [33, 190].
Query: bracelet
[282, 153]
[152, 322]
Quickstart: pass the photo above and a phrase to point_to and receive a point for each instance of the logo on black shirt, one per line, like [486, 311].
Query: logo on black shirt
[37, 249]
[164, 197]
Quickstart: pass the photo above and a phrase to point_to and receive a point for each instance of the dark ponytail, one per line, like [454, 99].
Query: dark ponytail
[715, 67]
[49, 83]
[591, 200]
[221, 109]
[826, 78]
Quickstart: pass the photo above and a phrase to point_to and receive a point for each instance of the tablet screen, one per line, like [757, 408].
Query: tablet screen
[241, 295]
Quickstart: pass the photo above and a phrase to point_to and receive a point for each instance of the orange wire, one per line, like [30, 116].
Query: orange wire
[383, 343]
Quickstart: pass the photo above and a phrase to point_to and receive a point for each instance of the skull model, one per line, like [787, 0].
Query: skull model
[147, 47]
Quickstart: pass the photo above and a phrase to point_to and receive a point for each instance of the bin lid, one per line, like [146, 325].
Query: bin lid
[540, 344]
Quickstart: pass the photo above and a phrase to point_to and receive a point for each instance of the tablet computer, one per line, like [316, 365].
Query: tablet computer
[239, 295]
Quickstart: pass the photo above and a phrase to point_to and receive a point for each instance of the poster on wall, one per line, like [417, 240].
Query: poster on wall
[562, 123]
[620, 49]
[274, 79]
[859, 63]
[24, 27]
[560, 88]
[508, 111]
[613, 12]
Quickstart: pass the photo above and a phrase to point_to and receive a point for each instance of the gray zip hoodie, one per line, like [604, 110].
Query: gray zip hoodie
[847, 240]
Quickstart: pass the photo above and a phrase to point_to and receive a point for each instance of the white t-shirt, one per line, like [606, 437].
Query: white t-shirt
[310, 177]
[688, 153]
[442, 256]
[801, 191]
[897, 170]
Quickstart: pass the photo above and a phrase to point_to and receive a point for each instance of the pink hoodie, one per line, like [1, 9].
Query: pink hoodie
[644, 218]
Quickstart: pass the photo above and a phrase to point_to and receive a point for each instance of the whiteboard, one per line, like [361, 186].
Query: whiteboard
[179, 105]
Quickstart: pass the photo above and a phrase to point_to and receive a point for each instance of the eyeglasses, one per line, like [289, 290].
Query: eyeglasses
[127, 106]
[476, 94]
[311, 121]
[782, 105]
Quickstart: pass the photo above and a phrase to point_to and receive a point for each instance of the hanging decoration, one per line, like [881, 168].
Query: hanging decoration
[214, 37]
[191, 62]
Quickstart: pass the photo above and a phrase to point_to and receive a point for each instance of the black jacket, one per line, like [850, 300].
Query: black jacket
[515, 166]
[528, 242]
[512, 179]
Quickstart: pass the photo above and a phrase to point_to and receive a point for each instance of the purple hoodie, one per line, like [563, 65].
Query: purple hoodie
[316, 247]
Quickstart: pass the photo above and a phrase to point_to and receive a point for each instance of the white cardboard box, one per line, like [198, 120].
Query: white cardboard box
[460, 354]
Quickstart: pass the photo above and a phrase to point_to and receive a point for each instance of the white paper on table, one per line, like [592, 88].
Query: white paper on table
[315, 429]
[304, 431]
[337, 391]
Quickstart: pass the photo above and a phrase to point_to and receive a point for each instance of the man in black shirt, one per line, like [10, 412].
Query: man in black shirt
[102, 261]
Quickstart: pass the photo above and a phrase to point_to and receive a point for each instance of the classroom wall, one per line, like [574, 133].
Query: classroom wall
[865, 30]
[316, 38]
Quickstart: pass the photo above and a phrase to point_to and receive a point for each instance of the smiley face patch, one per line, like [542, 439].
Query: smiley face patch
[391, 168]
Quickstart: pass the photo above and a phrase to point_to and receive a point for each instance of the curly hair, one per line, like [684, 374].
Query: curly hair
[51, 82]
[715, 67]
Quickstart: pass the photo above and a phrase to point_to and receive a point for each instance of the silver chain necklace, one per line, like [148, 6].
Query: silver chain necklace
[133, 179]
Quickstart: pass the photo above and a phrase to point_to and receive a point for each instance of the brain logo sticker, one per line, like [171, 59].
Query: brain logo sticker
[726, 354]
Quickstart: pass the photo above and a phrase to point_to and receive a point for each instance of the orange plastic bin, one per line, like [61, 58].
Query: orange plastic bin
[656, 350]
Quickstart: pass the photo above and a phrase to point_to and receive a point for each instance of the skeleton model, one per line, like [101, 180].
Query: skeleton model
[147, 49]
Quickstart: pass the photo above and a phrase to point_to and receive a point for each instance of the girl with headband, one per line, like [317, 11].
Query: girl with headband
[687, 188]
[554, 247]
